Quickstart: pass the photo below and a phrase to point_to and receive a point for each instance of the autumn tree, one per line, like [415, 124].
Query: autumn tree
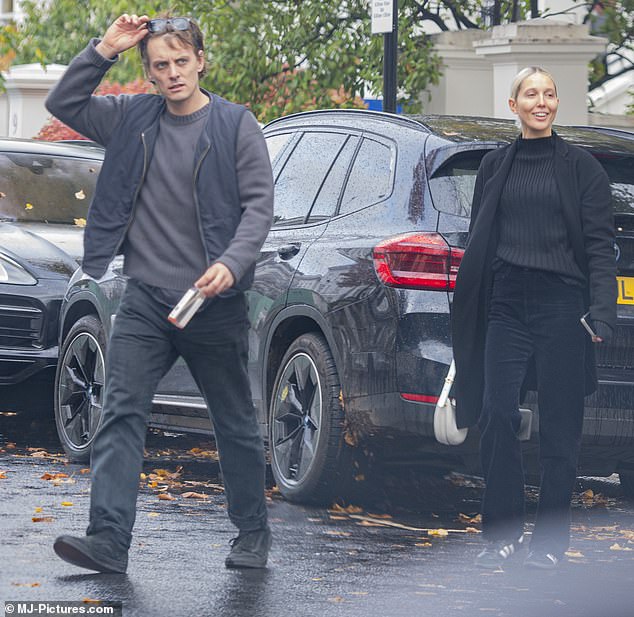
[56, 130]
[282, 56]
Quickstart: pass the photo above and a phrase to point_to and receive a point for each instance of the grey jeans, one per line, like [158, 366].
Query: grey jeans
[142, 348]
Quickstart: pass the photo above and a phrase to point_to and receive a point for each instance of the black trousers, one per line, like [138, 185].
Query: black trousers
[532, 314]
[142, 348]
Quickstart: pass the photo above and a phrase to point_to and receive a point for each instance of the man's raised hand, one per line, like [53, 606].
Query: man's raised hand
[125, 32]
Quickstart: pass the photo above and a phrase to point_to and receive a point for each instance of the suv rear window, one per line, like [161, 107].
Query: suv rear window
[453, 183]
[619, 170]
[46, 189]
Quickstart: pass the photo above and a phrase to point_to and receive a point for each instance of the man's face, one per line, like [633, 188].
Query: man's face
[174, 68]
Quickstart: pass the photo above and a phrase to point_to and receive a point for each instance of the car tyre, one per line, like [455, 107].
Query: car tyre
[79, 385]
[309, 457]
[627, 483]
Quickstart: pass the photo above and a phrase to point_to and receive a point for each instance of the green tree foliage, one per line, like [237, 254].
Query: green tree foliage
[304, 54]
[615, 21]
[282, 56]
[56, 30]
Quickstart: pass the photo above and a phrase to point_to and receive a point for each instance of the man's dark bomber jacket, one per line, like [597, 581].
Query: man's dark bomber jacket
[232, 231]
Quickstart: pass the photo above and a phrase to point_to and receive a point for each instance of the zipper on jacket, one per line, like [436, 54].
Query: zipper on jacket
[136, 195]
[197, 204]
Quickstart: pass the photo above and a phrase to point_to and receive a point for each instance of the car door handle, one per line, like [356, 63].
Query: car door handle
[286, 251]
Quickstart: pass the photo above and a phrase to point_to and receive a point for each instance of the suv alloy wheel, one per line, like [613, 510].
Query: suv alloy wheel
[306, 424]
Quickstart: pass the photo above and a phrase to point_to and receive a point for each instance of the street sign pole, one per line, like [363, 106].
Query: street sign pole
[390, 51]
[385, 21]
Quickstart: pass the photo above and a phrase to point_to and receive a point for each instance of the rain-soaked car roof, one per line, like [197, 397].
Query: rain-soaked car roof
[466, 129]
[469, 129]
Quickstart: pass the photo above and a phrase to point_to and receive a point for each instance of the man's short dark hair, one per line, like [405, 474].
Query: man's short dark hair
[192, 37]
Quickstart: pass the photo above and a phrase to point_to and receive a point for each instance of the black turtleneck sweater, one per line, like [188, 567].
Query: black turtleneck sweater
[532, 228]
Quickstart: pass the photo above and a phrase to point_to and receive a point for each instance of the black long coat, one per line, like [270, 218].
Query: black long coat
[584, 192]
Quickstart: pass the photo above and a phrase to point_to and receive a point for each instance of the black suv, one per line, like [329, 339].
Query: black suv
[45, 190]
[350, 342]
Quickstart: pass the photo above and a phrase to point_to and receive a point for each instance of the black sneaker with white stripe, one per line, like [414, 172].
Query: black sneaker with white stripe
[542, 560]
[496, 553]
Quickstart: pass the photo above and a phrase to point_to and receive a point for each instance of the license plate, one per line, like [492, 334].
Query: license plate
[626, 289]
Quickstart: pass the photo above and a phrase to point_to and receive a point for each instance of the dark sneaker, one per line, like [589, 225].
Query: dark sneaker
[496, 553]
[250, 549]
[92, 553]
[541, 560]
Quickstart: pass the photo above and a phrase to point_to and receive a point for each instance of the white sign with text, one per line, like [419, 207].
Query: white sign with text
[382, 16]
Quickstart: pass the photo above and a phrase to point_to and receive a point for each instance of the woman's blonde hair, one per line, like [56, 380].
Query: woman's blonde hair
[526, 72]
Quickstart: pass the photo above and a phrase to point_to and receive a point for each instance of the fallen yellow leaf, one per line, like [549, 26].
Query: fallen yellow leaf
[575, 554]
[80, 222]
[80, 194]
[423, 544]
[26, 584]
[28, 206]
[3, 475]
[38, 510]
[153, 514]
[42, 519]
[85, 470]
[617, 547]
[166, 497]
[91, 601]
[441, 533]
[53, 476]
[469, 520]
[193, 495]
[67, 504]
[366, 523]
[348, 509]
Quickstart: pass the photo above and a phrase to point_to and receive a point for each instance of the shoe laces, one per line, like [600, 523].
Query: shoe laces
[241, 537]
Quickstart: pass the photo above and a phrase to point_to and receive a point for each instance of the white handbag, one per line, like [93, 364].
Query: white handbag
[445, 429]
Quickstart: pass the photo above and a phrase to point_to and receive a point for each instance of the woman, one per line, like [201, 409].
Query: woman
[540, 255]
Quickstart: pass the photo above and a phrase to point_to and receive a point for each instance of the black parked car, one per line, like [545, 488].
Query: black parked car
[45, 190]
[350, 342]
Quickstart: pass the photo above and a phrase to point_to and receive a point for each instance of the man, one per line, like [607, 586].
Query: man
[186, 193]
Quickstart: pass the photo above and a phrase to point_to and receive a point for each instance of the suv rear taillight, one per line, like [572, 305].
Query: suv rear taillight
[418, 261]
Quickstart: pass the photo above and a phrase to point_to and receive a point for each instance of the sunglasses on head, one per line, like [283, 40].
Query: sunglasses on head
[166, 25]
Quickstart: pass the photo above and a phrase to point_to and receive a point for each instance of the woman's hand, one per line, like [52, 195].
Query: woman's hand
[125, 32]
[603, 332]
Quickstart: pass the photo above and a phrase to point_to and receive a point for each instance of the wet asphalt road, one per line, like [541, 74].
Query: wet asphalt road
[376, 558]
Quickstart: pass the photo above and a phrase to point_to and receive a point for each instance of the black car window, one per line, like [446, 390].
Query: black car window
[453, 183]
[326, 202]
[370, 180]
[276, 143]
[46, 189]
[302, 176]
[619, 170]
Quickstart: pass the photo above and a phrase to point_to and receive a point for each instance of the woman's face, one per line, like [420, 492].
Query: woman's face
[536, 106]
